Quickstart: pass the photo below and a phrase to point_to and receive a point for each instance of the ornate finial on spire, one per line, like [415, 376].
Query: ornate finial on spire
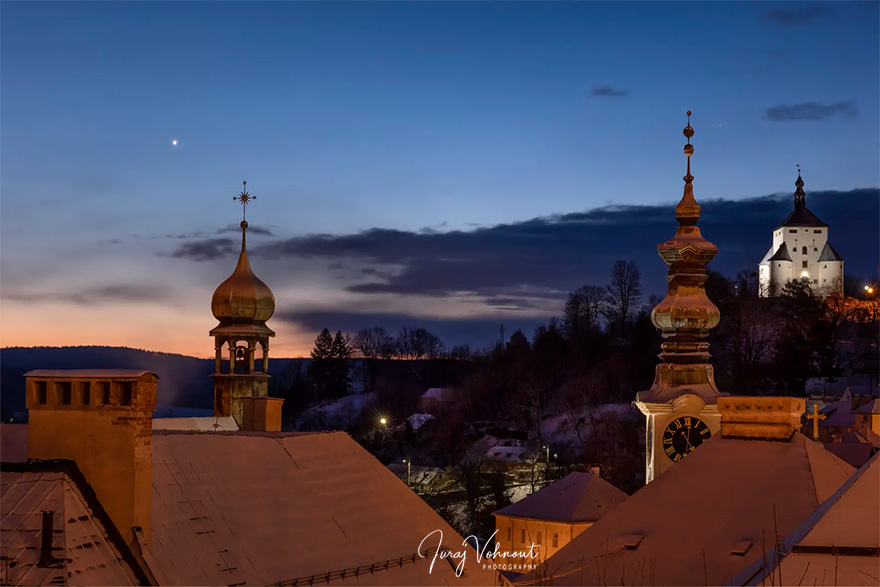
[800, 198]
[244, 197]
[688, 211]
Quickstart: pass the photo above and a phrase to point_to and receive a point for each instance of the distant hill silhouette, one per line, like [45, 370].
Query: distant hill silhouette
[183, 381]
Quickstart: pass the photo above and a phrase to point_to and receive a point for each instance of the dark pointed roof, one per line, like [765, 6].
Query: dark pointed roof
[801, 216]
[781, 254]
[829, 254]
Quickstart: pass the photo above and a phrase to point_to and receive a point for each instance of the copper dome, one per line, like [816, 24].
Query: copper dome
[243, 297]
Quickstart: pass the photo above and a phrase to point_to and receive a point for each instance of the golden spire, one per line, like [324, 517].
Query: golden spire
[686, 314]
[688, 211]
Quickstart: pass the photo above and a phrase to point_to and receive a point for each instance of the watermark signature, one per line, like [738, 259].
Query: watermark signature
[519, 559]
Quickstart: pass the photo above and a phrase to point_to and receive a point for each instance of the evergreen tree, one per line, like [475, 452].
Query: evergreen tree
[321, 371]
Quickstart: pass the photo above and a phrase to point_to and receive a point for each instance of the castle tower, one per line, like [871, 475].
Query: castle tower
[681, 406]
[242, 304]
[801, 250]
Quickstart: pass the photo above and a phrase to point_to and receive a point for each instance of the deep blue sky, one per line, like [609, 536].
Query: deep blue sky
[348, 117]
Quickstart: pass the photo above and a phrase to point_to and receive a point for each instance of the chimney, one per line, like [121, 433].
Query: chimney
[102, 420]
[261, 413]
[46, 535]
[595, 470]
[760, 418]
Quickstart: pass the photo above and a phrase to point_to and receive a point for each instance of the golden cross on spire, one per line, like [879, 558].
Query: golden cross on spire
[244, 197]
[815, 417]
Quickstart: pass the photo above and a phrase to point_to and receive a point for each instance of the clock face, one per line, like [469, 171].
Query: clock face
[684, 435]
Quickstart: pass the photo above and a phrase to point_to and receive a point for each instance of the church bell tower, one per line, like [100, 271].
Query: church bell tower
[681, 407]
[242, 304]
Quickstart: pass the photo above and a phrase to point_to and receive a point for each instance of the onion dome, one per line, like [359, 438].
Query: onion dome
[243, 297]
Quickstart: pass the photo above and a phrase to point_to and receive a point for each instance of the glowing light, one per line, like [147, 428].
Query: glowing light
[870, 290]
[383, 421]
[867, 288]
[805, 274]
[174, 142]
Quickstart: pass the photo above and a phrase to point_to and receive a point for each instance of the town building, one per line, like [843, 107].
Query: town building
[551, 517]
[236, 503]
[801, 251]
[717, 512]
[681, 405]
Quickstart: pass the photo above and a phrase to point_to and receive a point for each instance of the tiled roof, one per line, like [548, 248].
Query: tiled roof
[264, 508]
[829, 254]
[702, 522]
[577, 497]
[85, 554]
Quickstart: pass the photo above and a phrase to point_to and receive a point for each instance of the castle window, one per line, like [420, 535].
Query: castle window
[792, 231]
[824, 280]
[63, 389]
[815, 281]
[804, 264]
[804, 251]
[818, 231]
[86, 388]
[104, 391]
[555, 540]
[824, 266]
[42, 393]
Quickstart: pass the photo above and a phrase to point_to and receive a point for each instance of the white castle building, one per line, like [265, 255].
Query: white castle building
[801, 251]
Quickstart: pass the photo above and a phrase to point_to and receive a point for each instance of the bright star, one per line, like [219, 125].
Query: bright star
[174, 142]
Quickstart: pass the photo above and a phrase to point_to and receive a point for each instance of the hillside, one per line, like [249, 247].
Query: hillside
[183, 381]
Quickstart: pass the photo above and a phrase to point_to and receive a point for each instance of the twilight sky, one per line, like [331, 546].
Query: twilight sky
[448, 165]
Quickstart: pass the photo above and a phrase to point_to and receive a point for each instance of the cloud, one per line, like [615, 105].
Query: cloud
[810, 111]
[205, 250]
[795, 16]
[521, 264]
[608, 92]
[125, 292]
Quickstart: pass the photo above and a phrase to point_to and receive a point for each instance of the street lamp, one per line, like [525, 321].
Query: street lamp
[408, 469]
[383, 421]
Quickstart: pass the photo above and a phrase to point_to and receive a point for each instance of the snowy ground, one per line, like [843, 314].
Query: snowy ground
[336, 415]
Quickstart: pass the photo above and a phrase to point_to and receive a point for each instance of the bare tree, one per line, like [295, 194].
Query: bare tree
[418, 343]
[373, 343]
[624, 289]
[584, 309]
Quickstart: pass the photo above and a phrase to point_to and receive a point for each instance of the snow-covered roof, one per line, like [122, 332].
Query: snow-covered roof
[854, 454]
[208, 423]
[88, 373]
[86, 554]
[507, 454]
[263, 508]
[838, 414]
[418, 420]
[577, 497]
[704, 520]
[872, 407]
[441, 394]
[840, 539]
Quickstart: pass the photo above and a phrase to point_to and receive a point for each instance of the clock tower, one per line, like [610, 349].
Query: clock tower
[681, 407]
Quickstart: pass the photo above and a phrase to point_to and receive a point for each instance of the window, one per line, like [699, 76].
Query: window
[815, 250]
[815, 281]
[804, 251]
[538, 542]
[824, 280]
[86, 388]
[125, 388]
[817, 231]
[804, 264]
[824, 266]
[62, 388]
[42, 393]
[522, 536]
[104, 391]
[555, 540]
[792, 231]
